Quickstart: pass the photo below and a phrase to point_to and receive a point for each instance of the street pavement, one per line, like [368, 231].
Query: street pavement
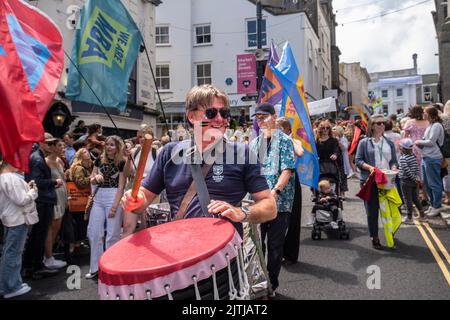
[329, 268]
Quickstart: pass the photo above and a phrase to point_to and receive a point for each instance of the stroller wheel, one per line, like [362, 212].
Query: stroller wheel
[316, 235]
[344, 235]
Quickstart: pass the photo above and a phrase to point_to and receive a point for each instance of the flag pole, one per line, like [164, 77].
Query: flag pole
[156, 86]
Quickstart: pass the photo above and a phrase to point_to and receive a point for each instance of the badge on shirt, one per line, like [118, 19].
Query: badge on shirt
[218, 173]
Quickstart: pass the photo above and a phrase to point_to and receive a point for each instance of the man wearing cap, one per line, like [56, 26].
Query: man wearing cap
[276, 153]
[41, 174]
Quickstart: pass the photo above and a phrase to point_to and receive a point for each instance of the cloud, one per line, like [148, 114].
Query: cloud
[387, 43]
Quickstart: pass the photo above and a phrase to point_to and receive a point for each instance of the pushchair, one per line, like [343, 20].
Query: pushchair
[323, 218]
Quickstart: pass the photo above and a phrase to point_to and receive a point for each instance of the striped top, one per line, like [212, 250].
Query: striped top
[409, 167]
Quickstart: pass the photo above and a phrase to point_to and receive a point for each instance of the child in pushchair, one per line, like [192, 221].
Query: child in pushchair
[327, 210]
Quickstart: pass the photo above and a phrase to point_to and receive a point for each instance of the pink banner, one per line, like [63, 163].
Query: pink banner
[246, 73]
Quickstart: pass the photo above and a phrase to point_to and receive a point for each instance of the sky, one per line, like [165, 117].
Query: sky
[387, 43]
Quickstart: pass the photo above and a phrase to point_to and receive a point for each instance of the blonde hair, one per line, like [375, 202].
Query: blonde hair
[323, 184]
[78, 161]
[447, 108]
[203, 96]
[339, 130]
[119, 150]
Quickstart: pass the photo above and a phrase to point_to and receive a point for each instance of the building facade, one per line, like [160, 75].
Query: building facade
[358, 83]
[428, 91]
[441, 19]
[198, 41]
[141, 90]
[397, 89]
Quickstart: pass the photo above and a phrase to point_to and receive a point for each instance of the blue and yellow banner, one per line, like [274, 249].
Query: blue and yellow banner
[295, 108]
[105, 49]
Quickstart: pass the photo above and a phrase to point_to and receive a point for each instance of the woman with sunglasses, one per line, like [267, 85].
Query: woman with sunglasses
[327, 150]
[375, 151]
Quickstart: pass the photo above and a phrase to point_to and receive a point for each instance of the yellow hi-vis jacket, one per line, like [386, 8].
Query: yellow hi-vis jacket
[391, 218]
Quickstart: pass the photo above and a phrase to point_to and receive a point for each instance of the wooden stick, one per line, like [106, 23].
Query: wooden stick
[141, 166]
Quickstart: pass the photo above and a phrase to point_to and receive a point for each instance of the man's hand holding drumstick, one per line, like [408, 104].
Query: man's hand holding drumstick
[137, 198]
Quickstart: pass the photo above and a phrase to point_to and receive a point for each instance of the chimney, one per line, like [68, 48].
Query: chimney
[415, 61]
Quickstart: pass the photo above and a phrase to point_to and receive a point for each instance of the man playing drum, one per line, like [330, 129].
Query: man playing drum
[232, 173]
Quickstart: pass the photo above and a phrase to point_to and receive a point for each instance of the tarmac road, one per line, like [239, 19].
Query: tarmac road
[329, 268]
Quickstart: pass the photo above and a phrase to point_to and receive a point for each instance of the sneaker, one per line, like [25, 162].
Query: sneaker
[91, 275]
[445, 216]
[334, 225]
[52, 263]
[44, 272]
[433, 212]
[24, 288]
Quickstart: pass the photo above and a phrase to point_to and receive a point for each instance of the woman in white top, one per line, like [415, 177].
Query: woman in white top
[17, 211]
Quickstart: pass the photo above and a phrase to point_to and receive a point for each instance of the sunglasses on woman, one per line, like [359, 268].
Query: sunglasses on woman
[381, 123]
[211, 113]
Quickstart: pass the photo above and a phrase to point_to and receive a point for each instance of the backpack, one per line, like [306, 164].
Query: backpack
[445, 148]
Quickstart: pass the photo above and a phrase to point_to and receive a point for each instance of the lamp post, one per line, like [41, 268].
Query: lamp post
[259, 71]
[58, 117]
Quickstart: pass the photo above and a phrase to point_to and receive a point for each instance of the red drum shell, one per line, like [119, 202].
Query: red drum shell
[163, 249]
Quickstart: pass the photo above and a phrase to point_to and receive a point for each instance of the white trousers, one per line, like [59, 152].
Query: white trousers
[98, 220]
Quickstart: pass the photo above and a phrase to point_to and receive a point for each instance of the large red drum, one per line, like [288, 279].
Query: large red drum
[199, 258]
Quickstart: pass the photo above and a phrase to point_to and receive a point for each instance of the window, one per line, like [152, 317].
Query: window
[310, 50]
[252, 34]
[203, 72]
[385, 109]
[162, 35]
[427, 96]
[163, 76]
[384, 93]
[203, 34]
[399, 92]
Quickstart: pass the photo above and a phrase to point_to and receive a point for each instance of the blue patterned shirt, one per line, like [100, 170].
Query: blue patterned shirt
[277, 156]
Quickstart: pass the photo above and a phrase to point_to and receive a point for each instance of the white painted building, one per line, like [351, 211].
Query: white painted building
[396, 88]
[65, 13]
[197, 42]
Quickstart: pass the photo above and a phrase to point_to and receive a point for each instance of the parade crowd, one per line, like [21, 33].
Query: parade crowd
[41, 235]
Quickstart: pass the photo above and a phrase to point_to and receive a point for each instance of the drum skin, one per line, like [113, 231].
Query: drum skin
[162, 250]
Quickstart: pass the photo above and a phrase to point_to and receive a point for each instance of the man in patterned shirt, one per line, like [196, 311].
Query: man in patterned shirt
[276, 152]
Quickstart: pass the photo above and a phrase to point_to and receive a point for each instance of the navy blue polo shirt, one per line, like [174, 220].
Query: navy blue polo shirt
[228, 182]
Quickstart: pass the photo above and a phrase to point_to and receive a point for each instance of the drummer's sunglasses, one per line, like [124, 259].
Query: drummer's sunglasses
[211, 113]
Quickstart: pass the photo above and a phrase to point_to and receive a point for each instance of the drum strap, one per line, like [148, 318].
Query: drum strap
[199, 174]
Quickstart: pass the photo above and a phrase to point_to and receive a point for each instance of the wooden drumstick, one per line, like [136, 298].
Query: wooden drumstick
[141, 166]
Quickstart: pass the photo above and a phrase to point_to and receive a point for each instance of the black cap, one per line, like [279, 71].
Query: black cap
[264, 108]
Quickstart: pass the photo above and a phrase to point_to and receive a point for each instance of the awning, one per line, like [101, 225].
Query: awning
[413, 80]
[322, 106]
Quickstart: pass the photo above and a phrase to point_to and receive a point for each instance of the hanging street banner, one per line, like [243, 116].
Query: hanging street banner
[246, 73]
